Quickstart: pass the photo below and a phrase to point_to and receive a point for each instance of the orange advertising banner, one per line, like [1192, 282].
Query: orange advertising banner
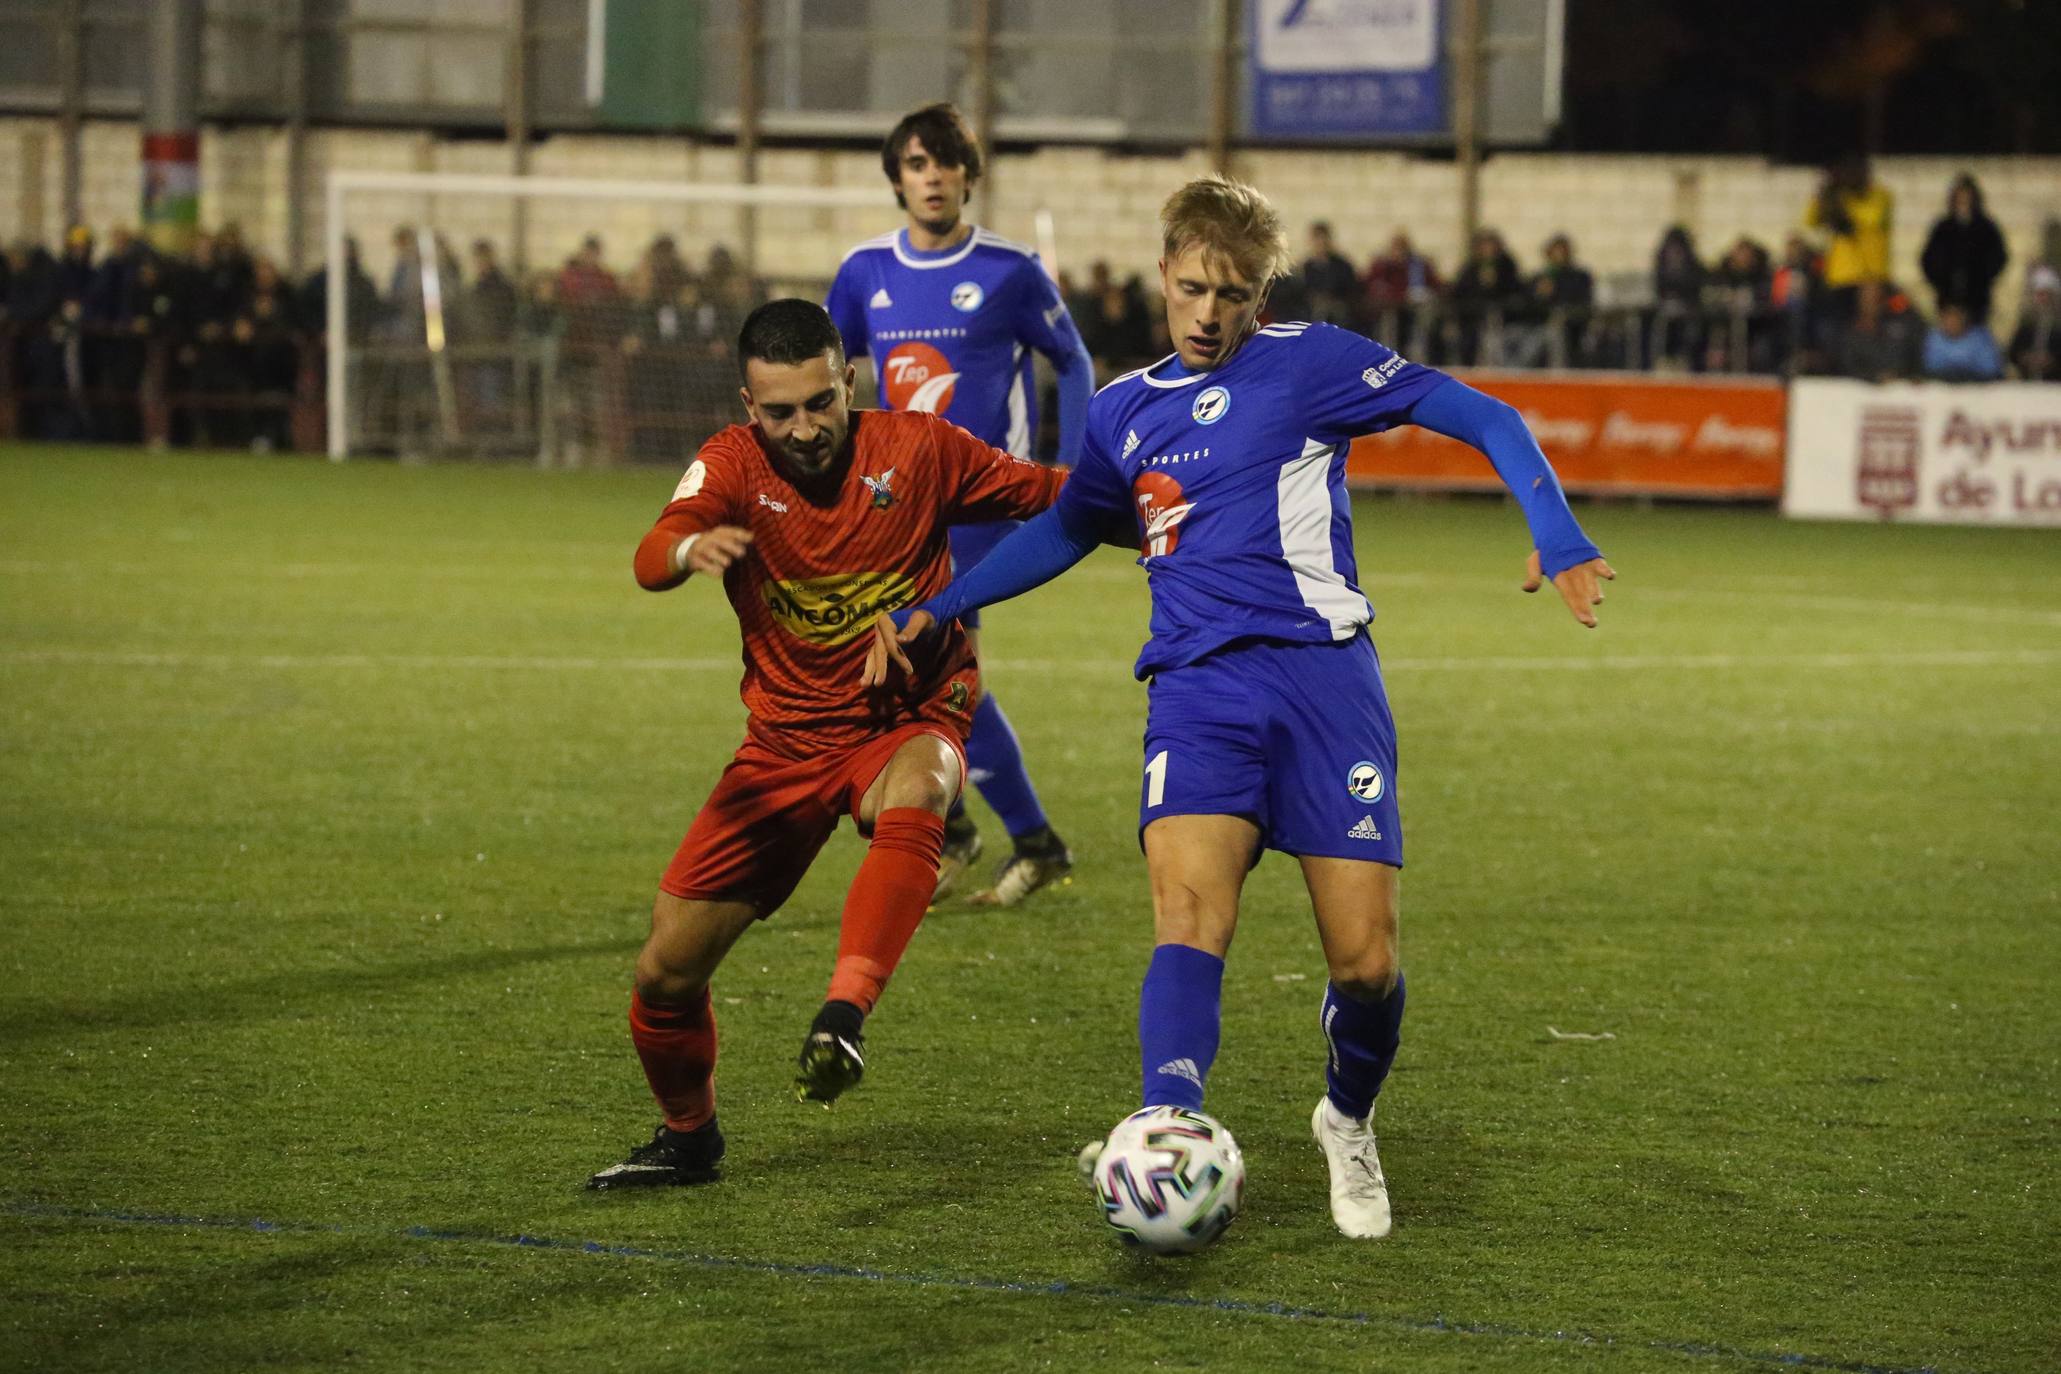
[1606, 433]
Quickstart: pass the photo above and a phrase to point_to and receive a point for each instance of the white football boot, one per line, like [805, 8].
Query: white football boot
[1359, 1191]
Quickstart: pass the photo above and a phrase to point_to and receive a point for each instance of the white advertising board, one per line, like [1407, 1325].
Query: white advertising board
[1962, 455]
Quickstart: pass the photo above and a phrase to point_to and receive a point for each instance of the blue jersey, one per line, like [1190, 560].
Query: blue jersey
[1236, 477]
[951, 332]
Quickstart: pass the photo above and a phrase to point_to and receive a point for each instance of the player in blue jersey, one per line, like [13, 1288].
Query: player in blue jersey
[1268, 726]
[950, 315]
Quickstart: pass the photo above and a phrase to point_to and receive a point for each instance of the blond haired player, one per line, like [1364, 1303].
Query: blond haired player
[1268, 725]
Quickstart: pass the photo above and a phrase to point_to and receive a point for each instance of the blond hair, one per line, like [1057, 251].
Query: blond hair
[1232, 222]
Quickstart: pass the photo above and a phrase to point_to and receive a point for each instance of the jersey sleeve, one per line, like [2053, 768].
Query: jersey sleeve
[1349, 385]
[709, 494]
[983, 483]
[847, 309]
[1040, 319]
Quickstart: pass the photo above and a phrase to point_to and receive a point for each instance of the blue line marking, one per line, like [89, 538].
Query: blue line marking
[1436, 1325]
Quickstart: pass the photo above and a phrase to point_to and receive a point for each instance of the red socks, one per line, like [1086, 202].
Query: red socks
[887, 900]
[678, 1048]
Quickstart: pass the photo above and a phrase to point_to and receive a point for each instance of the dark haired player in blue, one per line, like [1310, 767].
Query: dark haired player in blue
[1268, 726]
[950, 313]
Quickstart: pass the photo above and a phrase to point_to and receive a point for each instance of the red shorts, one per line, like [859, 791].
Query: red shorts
[759, 831]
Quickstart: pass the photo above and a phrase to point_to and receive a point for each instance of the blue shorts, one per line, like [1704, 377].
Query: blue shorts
[970, 544]
[1296, 738]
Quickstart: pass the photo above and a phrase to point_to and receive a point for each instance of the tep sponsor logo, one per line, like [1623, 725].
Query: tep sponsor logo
[1162, 508]
[967, 296]
[918, 377]
[836, 609]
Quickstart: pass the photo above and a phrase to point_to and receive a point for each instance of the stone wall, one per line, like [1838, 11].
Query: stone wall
[1104, 202]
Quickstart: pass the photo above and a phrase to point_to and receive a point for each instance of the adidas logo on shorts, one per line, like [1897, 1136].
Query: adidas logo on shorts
[1365, 830]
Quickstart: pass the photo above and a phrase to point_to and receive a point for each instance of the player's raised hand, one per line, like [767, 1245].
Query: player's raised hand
[1580, 586]
[712, 551]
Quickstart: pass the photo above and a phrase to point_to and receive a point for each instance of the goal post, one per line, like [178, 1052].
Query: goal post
[603, 331]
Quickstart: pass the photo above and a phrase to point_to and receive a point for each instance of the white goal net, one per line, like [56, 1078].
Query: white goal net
[559, 321]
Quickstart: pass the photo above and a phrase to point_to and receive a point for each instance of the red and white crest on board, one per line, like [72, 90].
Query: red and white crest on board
[918, 377]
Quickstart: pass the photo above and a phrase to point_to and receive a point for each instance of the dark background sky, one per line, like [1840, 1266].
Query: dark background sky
[1807, 80]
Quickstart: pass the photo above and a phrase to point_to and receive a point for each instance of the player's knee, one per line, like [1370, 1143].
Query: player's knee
[1368, 975]
[667, 981]
[926, 780]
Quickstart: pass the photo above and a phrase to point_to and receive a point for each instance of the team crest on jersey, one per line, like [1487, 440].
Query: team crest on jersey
[1364, 782]
[967, 296]
[1162, 508]
[918, 377]
[1211, 405]
[882, 489]
[957, 696]
[836, 609]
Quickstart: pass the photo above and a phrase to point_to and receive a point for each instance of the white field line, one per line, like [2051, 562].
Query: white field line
[586, 571]
[1941, 658]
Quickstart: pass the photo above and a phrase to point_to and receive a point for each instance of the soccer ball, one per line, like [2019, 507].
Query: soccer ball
[1169, 1179]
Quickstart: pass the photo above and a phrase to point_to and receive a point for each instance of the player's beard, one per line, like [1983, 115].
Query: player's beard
[819, 458]
[943, 227]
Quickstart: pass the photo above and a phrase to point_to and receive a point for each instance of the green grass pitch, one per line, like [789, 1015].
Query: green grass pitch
[334, 797]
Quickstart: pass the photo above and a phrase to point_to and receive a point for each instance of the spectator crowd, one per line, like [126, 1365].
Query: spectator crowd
[118, 342]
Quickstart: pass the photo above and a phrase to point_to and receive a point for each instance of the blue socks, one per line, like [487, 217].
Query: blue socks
[1178, 1024]
[1363, 1037]
[995, 763]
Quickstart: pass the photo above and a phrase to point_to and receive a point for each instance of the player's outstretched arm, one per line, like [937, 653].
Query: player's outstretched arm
[668, 556]
[1561, 552]
[1033, 554]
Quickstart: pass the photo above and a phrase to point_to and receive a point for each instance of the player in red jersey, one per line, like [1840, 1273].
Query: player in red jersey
[817, 518]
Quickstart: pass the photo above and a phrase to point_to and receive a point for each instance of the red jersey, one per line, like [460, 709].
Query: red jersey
[831, 553]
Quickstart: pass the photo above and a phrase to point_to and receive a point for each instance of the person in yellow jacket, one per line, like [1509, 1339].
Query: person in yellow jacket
[1855, 213]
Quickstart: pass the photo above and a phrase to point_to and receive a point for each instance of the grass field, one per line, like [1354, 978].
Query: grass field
[334, 798]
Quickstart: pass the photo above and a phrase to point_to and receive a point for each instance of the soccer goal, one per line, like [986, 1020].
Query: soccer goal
[556, 320]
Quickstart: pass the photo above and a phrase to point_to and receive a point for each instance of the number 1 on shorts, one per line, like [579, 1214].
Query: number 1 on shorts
[1155, 779]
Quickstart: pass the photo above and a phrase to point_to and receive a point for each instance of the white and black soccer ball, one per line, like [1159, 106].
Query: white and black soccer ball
[1169, 1179]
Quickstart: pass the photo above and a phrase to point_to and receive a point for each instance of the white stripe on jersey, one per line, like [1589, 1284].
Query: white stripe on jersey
[1135, 373]
[1019, 412]
[994, 240]
[1302, 496]
[880, 241]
